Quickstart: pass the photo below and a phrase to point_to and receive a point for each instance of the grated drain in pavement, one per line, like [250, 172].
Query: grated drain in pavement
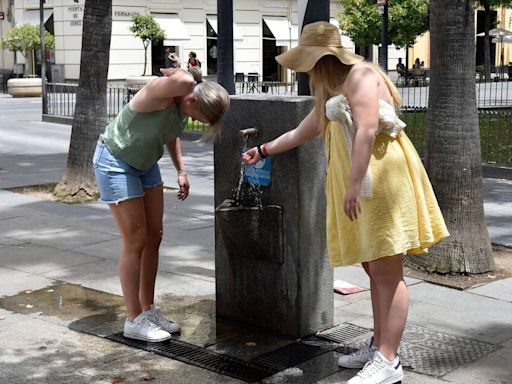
[201, 357]
[255, 370]
[291, 355]
[422, 350]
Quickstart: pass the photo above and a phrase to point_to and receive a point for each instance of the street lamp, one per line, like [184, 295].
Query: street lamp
[43, 58]
[383, 54]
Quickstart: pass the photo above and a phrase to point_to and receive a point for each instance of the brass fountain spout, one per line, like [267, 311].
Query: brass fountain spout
[248, 132]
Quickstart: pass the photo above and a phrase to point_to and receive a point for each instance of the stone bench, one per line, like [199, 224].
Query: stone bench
[25, 87]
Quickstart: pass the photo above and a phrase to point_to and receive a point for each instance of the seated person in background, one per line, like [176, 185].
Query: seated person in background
[417, 63]
[400, 67]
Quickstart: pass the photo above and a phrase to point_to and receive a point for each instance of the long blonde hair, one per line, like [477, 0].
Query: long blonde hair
[212, 102]
[323, 87]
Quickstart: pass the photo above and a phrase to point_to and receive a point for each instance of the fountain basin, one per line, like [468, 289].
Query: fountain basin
[255, 233]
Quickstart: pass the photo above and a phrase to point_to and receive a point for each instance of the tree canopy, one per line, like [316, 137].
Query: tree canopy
[147, 29]
[407, 20]
[26, 37]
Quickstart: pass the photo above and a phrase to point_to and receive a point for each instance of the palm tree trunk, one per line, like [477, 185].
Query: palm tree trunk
[453, 143]
[90, 116]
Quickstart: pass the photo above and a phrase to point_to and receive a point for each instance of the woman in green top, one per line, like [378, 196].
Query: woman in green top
[128, 177]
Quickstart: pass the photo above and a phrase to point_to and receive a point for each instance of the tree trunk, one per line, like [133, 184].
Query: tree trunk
[453, 157]
[146, 45]
[90, 116]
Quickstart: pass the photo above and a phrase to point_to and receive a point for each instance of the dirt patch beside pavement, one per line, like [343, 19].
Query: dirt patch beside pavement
[502, 257]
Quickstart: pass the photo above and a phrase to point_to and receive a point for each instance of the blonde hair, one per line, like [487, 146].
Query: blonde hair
[212, 103]
[197, 73]
[323, 87]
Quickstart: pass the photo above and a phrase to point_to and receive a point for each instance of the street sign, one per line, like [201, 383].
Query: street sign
[382, 3]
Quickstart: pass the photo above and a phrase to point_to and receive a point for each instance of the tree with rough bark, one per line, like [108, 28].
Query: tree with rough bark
[90, 118]
[147, 29]
[489, 6]
[453, 158]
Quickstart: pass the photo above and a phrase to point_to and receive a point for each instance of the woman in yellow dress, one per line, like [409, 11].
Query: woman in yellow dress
[380, 203]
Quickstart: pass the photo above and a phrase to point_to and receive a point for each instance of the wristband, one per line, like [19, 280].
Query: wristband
[264, 150]
[182, 173]
[262, 156]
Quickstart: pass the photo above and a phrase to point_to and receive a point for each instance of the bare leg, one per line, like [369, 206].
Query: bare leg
[131, 220]
[375, 307]
[154, 205]
[392, 301]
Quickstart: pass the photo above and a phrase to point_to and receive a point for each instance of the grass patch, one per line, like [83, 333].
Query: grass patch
[495, 133]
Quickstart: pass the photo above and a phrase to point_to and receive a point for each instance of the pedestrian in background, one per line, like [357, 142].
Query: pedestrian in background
[171, 59]
[380, 203]
[129, 181]
[193, 61]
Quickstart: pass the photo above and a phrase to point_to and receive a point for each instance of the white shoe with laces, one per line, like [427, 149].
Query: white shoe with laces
[359, 358]
[379, 371]
[155, 316]
[141, 328]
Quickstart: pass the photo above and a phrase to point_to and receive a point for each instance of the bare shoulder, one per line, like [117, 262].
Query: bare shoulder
[361, 75]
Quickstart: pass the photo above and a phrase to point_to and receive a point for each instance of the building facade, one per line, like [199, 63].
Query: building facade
[262, 29]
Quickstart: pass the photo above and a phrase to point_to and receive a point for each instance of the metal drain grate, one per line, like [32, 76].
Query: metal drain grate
[422, 350]
[290, 355]
[200, 357]
[346, 333]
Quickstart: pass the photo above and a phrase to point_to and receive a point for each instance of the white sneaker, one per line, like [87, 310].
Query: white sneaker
[155, 316]
[141, 328]
[379, 371]
[359, 358]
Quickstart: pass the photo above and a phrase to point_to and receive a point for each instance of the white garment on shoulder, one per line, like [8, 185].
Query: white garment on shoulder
[337, 108]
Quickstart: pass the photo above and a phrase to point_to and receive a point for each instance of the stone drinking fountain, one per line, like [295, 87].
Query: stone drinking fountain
[271, 266]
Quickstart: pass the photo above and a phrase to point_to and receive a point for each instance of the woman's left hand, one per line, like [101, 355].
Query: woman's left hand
[184, 187]
[351, 204]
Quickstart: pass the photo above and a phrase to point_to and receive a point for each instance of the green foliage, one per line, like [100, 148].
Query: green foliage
[25, 37]
[407, 19]
[495, 133]
[146, 28]
[493, 4]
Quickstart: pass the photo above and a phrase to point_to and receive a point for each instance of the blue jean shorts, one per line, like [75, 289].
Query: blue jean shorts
[119, 181]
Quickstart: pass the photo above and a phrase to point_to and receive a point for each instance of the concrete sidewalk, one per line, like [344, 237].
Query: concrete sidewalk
[48, 246]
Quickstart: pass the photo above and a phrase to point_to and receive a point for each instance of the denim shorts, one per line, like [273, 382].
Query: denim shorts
[119, 181]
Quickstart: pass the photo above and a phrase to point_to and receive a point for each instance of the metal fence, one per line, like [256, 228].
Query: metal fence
[494, 101]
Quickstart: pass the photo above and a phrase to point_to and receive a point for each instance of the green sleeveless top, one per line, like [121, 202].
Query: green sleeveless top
[138, 138]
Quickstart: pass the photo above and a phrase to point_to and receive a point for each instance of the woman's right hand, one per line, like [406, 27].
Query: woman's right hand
[251, 156]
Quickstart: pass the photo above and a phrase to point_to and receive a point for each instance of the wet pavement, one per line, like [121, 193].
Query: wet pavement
[60, 295]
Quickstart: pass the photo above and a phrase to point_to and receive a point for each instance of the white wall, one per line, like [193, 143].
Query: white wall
[127, 52]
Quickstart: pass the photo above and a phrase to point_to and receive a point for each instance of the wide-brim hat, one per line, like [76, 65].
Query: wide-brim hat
[317, 40]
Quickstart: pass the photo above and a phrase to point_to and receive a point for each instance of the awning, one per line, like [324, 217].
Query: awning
[282, 30]
[175, 31]
[212, 19]
[32, 16]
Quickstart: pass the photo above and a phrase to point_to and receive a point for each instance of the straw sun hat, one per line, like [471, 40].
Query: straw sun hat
[316, 41]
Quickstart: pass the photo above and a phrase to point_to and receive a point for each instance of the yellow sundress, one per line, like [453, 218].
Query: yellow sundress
[401, 215]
